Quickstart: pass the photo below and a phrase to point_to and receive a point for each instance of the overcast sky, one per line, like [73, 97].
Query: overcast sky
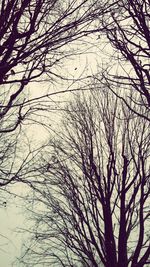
[11, 214]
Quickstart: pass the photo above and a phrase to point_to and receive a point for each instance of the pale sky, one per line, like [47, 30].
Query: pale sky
[11, 215]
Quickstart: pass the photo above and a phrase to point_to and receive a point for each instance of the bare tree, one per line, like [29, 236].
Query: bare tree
[91, 204]
[127, 28]
[34, 38]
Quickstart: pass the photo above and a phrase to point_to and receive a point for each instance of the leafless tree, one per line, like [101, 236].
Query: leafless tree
[34, 38]
[127, 28]
[91, 204]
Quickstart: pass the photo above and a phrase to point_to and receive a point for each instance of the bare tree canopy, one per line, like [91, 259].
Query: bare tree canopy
[32, 39]
[127, 27]
[91, 198]
[90, 185]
